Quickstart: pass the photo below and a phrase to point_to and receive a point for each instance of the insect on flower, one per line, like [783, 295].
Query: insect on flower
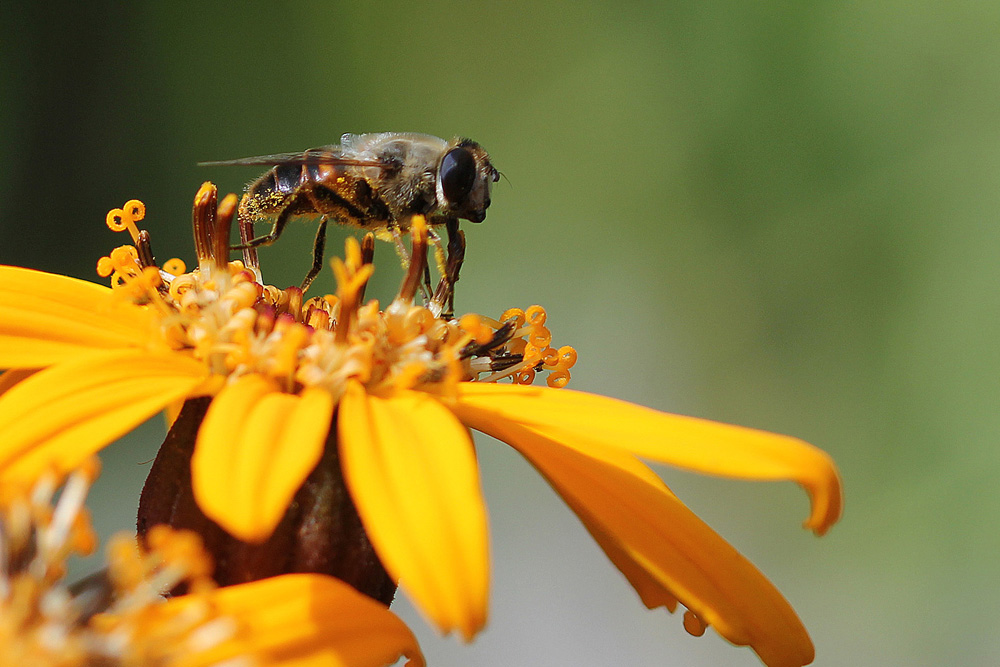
[376, 182]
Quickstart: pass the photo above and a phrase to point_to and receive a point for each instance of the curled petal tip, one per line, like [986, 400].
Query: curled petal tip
[827, 494]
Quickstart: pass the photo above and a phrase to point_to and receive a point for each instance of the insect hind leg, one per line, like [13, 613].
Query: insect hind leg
[319, 248]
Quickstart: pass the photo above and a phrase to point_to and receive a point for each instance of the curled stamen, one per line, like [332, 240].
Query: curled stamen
[175, 267]
[120, 219]
[122, 264]
[515, 314]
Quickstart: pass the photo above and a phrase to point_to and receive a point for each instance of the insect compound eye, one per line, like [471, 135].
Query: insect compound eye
[458, 173]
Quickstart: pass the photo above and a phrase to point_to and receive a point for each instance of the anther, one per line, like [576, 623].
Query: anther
[223, 224]
[502, 335]
[418, 260]
[144, 247]
[245, 224]
[367, 257]
[505, 361]
[92, 595]
[203, 221]
[293, 306]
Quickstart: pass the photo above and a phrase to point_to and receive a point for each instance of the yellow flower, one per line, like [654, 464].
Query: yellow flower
[401, 386]
[118, 616]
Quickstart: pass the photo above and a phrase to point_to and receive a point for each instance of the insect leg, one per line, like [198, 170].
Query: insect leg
[456, 255]
[426, 288]
[439, 256]
[397, 238]
[319, 247]
[278, 225]
[435, 240]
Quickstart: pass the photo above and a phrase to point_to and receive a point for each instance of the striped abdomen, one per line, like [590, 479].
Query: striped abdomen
[316, 189]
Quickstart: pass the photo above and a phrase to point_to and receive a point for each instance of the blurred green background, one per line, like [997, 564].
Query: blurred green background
[782, 215]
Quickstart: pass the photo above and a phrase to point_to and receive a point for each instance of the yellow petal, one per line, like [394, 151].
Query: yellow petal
[47, 318]
[61, 415]
[171, 412]
[660, 544]
[10, 378]
[696, 444]
[412, 472]
[303, 620]
[255, 448]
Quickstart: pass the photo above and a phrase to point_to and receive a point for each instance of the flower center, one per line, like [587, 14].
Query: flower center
[223, 315]
[114, 617]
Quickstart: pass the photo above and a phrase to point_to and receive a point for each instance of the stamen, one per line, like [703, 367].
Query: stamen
[368, 248]
[203, 221]
[351, 277]
[535, 315]
[175, 266]
[109, 618]
[67, 511]
[120, 219]
[418, 261]
[223, 226]
[515, 314]
[504, 332]
[558, 380]
[245, 224]
[144, 248]
[367, 257]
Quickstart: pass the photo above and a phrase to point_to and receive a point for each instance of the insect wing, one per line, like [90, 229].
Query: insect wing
[327, 155]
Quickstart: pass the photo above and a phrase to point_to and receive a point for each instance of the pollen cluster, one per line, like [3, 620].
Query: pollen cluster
[222, 314]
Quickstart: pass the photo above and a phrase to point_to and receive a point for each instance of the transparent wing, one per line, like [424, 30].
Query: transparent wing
[325, 155]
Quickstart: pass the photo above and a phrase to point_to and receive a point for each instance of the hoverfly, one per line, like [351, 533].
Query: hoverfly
[375, 182]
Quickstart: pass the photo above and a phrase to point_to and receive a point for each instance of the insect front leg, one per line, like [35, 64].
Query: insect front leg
[278, 226]
[456, 255]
